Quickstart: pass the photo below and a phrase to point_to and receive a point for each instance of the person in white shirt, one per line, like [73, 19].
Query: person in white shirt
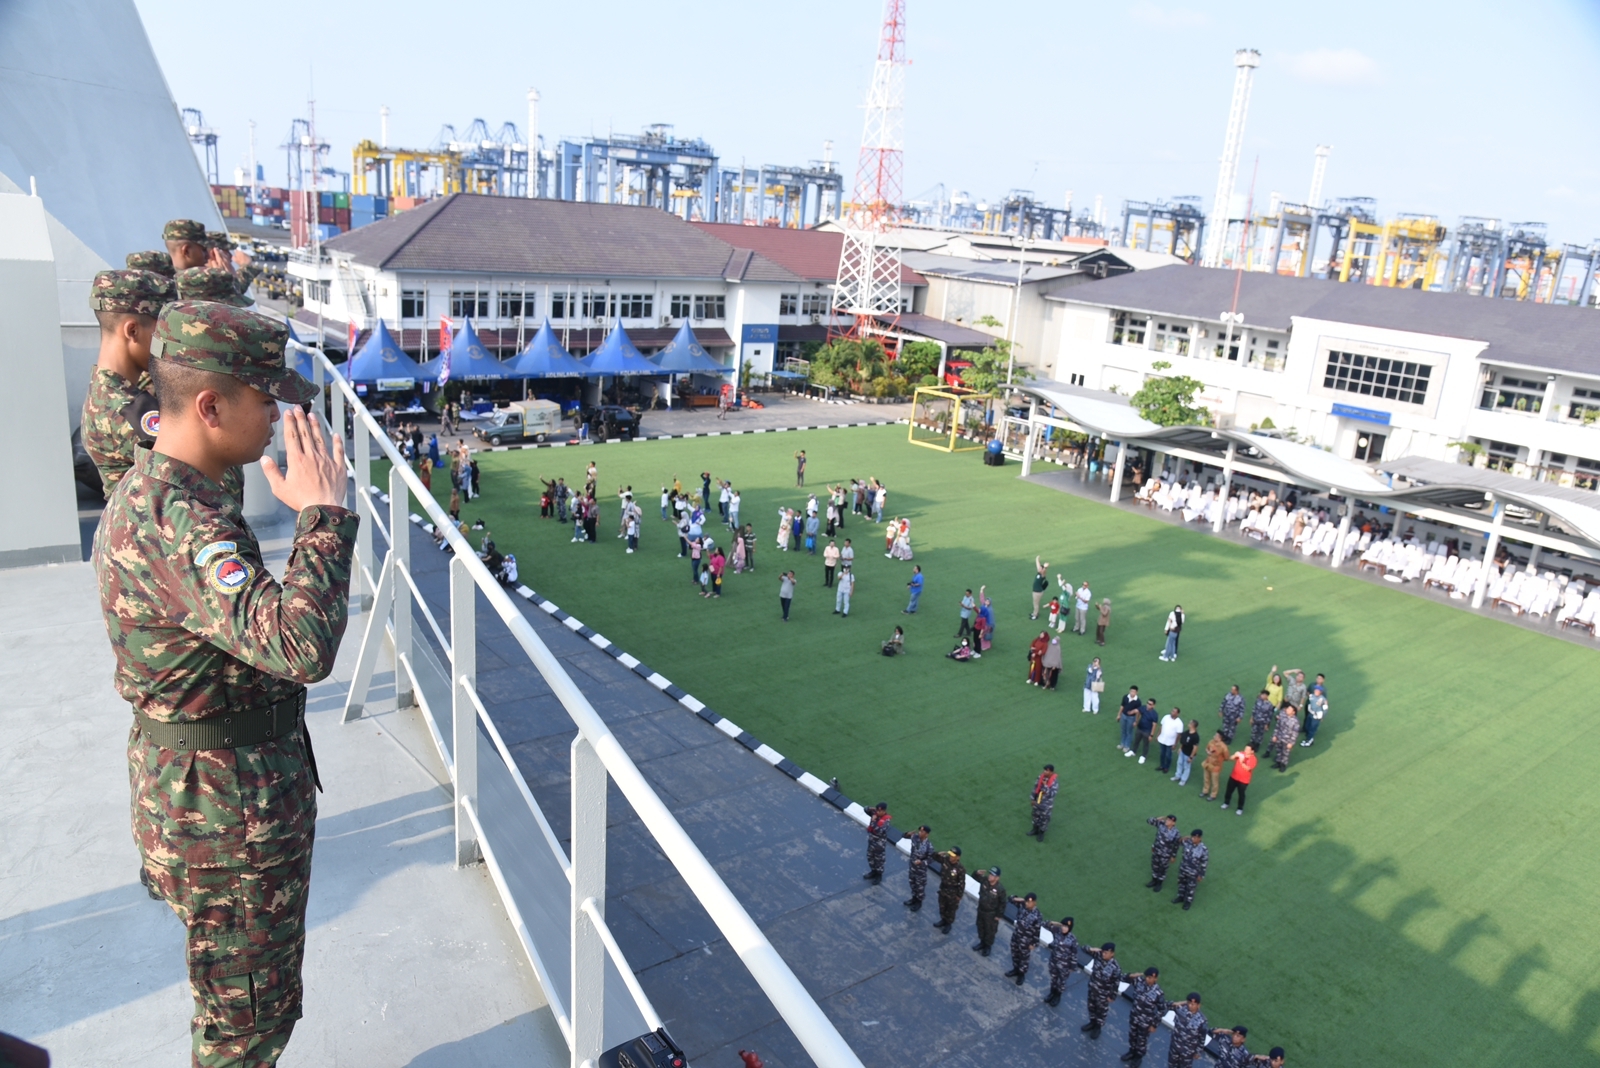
[1080, 618]
[733, 508]
[1170, 727]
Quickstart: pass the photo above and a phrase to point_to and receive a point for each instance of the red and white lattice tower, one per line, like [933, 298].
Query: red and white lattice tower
[869, 265]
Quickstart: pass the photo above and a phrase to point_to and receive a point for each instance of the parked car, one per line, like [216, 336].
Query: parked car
[612, 421]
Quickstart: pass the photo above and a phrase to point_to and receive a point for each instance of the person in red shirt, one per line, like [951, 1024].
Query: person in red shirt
[1244, 762]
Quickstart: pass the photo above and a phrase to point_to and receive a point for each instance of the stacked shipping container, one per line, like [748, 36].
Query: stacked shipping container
[336, 213]
[270, 207]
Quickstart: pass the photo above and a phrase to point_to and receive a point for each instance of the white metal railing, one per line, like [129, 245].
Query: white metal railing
[598, 758]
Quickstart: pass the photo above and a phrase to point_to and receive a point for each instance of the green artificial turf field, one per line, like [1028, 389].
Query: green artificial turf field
[1414, 890]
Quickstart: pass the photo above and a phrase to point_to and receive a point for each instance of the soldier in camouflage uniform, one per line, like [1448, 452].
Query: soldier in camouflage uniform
[877, 840]
[1103, 983]
[991, 903]
[187, 245]
[1231, 711]
[215, 655]
[1189, 1032]
[210, 283]
[119, 409]
[952, 886]
[1234, 1053]
[116, 410]
[1284, 734]
[159, 262]
[1192, 868]
[1024, 936]
[243, 273]
[1063, 958]
[917, 874]
[1163, 850]
[1261, 717]
[1149, 1004]
[1044, 799]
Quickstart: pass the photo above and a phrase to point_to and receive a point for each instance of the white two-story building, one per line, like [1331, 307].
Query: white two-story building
[1367, 372]
[507, 264]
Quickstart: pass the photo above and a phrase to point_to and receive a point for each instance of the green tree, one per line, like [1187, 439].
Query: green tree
[1170, 401]
[847, 362]
[917, 358]
[989, 367]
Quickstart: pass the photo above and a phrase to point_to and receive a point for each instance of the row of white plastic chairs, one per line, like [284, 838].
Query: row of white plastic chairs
[1523, 592]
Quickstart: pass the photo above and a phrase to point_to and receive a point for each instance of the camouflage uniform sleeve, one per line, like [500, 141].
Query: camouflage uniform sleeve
[245, 276]
[291, 630]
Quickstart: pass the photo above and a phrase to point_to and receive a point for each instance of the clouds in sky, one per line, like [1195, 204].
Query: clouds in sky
[1334, 66]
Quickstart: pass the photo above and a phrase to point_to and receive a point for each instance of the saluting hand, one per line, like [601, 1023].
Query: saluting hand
[316, 475]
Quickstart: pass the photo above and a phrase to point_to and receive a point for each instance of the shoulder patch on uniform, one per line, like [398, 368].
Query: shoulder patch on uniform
[207, 552]
[229, 574]
[150, 423]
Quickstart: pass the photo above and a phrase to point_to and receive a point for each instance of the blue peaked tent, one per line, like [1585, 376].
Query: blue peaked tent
[381, 358]
[468, 359]
[685, 355]
[617, 356]
[545, 358]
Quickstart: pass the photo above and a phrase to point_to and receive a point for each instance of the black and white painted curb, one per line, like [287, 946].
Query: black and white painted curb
[698, 434]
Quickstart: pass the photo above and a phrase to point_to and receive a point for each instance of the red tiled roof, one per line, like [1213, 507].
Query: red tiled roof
[811, 254]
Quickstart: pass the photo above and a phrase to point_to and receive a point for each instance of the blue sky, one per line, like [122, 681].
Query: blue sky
[1453, 108]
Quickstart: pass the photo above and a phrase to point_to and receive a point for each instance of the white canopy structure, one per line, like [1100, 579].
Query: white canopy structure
[1544, 515]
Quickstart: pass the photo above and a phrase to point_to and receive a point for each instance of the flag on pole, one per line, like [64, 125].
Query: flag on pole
[446, 338]
[351, 349]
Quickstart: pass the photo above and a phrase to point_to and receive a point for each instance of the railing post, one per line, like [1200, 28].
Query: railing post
[400, 560]
[464, 715]
[364, 509]
[587, 1002]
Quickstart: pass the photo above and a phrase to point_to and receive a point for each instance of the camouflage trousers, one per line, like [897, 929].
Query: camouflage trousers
[1061, 968]
[1100, 1001]
[1186, 885]
[1041, 816]
[918, 877]
[1139, 1025]
[225, 837]
[877, 848]
[1159, 863]
[1021, 953]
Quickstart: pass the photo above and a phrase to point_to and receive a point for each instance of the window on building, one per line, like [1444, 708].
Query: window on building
[561, 303]
[1127, 328]
[1266, 353]
[680, 305]
[413, 304]
[515, 305]
[1585, 405]
[788, 304]
[595, 303]
[1588, 474]
[636, 305]
[473, 303]
[1502, 455]
[1075, 380]
[316, 291]
[707, 307]
[1377, 377]
[1228, 347]
[816, 303]
[1172, 339]
[1513, 394]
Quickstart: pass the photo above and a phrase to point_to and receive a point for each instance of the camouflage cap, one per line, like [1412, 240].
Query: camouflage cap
[219, 239]
[231, 341]
[183, 230]
[159, 262]
[136, 292]
[209, 283]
